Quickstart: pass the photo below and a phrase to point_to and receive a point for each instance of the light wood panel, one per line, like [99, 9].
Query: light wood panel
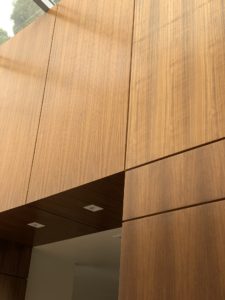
[193, 177]
[83, 123]
[178, 70]
[174, 256]
[23, 66]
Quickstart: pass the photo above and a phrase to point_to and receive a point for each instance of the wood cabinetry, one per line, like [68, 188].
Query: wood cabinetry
[23, 67]
[83, 123]
[177, 85]
[173, 256]
[193, 177]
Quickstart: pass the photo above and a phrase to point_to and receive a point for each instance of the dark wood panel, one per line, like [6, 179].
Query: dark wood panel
[14, 259]
[23, 67]
[14, 267]
[83, 123]
[12, 288]
[193, 177]
[106, 193]
[14, 226]
[174, 256]
[64, 215]
[178, 71]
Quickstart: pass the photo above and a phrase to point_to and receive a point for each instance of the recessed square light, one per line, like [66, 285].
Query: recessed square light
[93, 208]
[36, 225]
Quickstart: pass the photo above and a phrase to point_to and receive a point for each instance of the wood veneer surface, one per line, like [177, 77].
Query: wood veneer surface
[14, 267]
[178, 70]
[23, 66]
[173, 256]
[106, 193]
[193, 177]
[12, 288]
[83, 123]
[14, 259]
[64, 215]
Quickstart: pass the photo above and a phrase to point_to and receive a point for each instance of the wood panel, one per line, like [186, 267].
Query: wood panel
[12, 288]
[83, 123]
[23, 66]
[177, 86]
[14, 267]
[64, 215]
[14, 259]
[106, 193]
[173, 256]
[193, 177]
[14, 226]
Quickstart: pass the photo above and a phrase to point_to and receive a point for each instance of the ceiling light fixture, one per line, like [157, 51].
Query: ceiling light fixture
[93, 208]
[36, 225]
[45, 4]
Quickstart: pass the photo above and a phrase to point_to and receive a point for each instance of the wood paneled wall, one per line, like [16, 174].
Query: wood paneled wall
[176, 105]
[23, 67]
[177, 85]
[64, 100]
[12, 288]
[64, 215]
[65, 83]
[174, 256]
[14, 267]
[83, 123]
[173, 248]
[190, 178]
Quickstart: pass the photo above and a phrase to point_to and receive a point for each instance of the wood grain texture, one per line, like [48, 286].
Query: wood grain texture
[14, 259]
[12, 288]
[193, 177]
[23, 66]
[14, 267]
[173, 256]
[14, 226]
[178, 70]
[106, 193]
[83, 123]
[64, 215]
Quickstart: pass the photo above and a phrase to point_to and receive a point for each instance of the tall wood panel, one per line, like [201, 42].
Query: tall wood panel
[173, 256]
[193, 177]
[83, 122]
[23, 66]
[178, 70]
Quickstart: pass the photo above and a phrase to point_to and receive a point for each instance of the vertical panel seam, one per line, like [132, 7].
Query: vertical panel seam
[129, 88]
[42, 104]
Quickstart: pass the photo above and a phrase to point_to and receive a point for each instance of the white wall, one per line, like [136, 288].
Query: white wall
[50, 278]
[95, 283]
[55, 276]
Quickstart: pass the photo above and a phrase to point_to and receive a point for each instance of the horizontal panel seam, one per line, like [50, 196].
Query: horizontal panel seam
[176, 154]
[14, 276]
[175, 209]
